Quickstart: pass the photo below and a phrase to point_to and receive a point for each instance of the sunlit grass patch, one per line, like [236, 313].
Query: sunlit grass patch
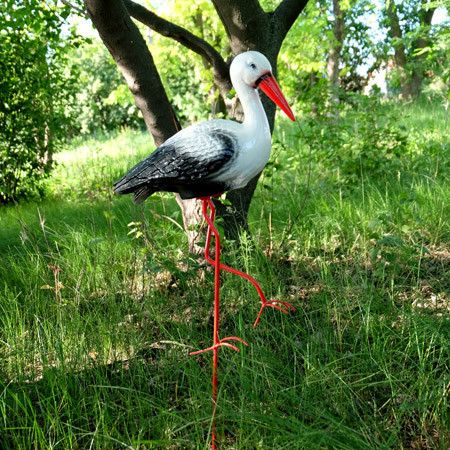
[89, 167]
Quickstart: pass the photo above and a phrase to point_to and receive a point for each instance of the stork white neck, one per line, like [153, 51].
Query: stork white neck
[255, 118]
[245, 71]
[252, 137]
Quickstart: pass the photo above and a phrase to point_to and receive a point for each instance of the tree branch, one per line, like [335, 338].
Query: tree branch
[238, 11]
[183, 36]
[244, 22]
[75, 8]
[286, 14]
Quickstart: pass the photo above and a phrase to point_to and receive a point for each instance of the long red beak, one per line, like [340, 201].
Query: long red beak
[270, 87]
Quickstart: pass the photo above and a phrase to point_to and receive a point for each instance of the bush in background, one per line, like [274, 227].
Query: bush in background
[33, 94]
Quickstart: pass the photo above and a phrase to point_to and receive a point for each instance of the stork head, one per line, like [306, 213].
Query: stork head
[254, 69]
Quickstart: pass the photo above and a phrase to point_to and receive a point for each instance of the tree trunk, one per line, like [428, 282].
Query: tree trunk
[426, 16]
[410, 83]
[395, 32]
[334, 58]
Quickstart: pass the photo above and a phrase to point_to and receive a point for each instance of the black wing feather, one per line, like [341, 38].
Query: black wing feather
[185, 163]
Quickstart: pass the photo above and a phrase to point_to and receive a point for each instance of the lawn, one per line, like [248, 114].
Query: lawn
[101, 302]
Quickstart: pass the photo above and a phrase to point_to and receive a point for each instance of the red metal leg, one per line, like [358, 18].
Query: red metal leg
[265, 303]
[217, 343]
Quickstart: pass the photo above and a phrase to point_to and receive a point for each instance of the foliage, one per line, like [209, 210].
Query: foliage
[303, 53]
[186, 76]
[365, 142]
[438, 55]
[103, 102]
[305, 50]
[49, 92]
[191, 97]
[33, 93]
[411, 38]
[372, 143]
[358, 46]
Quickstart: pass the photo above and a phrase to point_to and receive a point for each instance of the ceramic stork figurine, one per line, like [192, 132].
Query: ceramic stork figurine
[210, 158]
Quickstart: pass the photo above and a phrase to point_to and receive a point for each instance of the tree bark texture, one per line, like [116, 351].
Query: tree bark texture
[395, 32]
[410, 83]
[248, 27]
[334, 56]
[424, 40]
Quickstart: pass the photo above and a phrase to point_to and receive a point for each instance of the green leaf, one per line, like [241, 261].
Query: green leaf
[231, 94]
[374, 223]
[422, 249]
[390, 241]
[96, 241]
[421, 51]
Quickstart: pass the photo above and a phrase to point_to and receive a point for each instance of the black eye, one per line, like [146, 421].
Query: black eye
[253, 65]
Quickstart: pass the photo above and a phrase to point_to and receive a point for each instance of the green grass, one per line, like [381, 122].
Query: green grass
[95, 355]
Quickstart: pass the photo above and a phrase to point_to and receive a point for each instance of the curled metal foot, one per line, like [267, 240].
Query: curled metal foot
[273, 304]
[221, 343]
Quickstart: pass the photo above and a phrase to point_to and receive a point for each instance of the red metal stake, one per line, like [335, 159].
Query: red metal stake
[207, 203]
[217, 342]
